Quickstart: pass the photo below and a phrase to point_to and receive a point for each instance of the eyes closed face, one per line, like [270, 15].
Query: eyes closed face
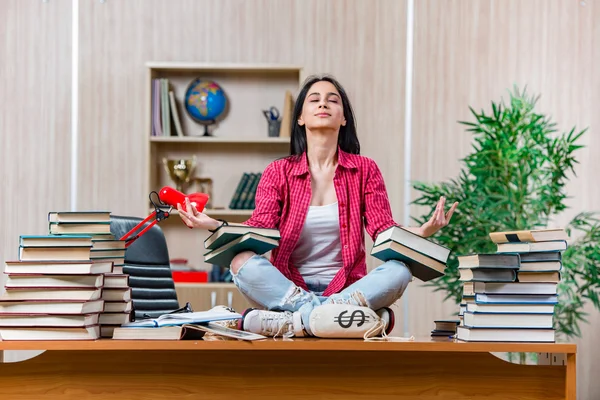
[322, 108]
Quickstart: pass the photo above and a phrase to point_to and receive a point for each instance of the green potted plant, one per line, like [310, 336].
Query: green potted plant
[514, 178]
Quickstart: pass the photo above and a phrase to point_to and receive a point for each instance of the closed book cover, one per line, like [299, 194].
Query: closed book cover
[491, 308]
[57, 267]
[116, 281]
[107, 244]
[238, 190]
[496, 320]
[541, 256]
[60, 228]
[421, 266]
[252, 177]
[106, 253]
[19, 333]
[487, 275]
[61, 253]
[54, 281]
[223, 255]
[504, 335]
[535, 235]
[55, 240]
[541, 266]
[550, 277]
[51, 307]
[46, 294]
[485, 298]
[249, 202]
[514, 288]
[413, 241]
[533, 247]
[111, 294]
[79, 216]
[118, 306]
[116, 318]
[227, 233]
[493, 260]
[48, 320]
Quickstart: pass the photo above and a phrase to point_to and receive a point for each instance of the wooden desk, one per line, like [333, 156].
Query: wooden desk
[286, 369]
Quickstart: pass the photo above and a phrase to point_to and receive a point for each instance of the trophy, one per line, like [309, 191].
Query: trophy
[180, 170]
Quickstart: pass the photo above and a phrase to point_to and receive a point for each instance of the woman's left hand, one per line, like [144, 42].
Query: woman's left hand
[439, 219]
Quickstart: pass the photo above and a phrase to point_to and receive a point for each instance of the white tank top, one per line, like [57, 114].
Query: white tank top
[318, 253]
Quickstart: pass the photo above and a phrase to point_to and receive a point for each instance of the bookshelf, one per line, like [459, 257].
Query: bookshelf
[240, 141]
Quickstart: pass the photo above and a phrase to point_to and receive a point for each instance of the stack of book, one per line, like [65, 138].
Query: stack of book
[54, 290]
[514, 289]
[444, 328]
[426, 259]
[116, 292]
[229, 240]
[243, 197]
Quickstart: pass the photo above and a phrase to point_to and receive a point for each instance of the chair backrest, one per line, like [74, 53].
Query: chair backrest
[147, 264]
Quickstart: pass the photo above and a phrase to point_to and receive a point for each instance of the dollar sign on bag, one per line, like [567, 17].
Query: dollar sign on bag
[346, 322]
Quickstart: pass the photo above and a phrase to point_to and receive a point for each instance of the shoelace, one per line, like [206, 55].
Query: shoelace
[274, 323]
[369, 335]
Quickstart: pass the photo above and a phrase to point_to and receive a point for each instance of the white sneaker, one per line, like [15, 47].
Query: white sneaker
[272, 323]
[348, 321]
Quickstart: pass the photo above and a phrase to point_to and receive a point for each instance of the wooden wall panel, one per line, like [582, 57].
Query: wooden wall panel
[472, 52]
[35, 121]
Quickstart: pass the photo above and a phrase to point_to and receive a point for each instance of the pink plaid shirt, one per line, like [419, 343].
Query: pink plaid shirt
[283, 197]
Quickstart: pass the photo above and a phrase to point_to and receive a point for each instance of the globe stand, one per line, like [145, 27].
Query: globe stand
[206, 125]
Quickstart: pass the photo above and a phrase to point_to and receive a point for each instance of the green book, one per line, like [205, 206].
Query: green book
[236, 195]
[423, 267]
[223, 255]
[227, 233]
[244, 194]
[249, 203]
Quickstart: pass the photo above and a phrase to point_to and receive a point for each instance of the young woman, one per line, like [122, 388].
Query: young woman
[321, 198]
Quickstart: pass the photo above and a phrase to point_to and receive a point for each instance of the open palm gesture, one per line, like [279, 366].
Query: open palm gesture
[439, 219]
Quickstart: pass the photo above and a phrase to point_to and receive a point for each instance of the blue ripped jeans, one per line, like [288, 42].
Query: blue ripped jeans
[264, 285]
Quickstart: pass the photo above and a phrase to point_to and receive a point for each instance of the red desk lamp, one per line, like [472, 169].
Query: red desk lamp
[167, 199]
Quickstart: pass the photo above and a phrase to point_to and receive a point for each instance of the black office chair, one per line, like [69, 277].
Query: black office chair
[147, 264]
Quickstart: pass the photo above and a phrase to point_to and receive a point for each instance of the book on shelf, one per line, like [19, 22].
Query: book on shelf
[78, 333]
[58, 267]
[226, 233]
[223, 255]
[51, 307]
[426, 259]
[504, 334]
[238, 190]
[175, 113]
[534, 235]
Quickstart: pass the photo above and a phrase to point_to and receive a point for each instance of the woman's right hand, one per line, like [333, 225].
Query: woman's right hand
[196, 219]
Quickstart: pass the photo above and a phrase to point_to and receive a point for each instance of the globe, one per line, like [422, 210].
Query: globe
[205, 102]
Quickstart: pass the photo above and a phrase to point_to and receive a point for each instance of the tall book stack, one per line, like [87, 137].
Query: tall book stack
[514, 289]
[54, 290]
[116, 292]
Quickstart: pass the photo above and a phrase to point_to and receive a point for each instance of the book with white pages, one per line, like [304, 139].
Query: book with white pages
[118, 306]
[468, 334]
[532, 235]
[514, 288]
[487, 275]
[119, 295]
[534, 247]
[541, 266]
[54, 281]
[177, 319]
[79, 216]
[491, 308]
[55, 240]
[58, 267]
[526, 298]
[107, 318]
[489, 261]
[51, 307]
[18, 333]
[116, 281]
[413, 241]
[47, 294]
[496, 320]
[35, 321]
[59, 253]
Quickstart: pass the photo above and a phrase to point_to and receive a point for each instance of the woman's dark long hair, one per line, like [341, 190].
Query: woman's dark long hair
[347, 139]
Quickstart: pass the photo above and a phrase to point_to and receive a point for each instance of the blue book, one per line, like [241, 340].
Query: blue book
[224, 255]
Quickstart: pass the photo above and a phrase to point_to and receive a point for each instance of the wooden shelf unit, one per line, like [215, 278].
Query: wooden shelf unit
[240, 141]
